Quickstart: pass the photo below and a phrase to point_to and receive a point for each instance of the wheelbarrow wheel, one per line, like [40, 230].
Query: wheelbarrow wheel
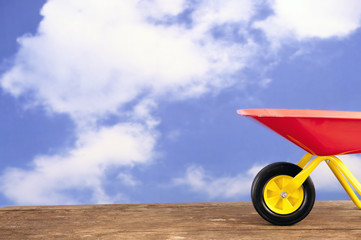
[275, 205]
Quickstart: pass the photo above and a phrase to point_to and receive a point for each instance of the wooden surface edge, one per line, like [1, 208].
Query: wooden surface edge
[227, 220]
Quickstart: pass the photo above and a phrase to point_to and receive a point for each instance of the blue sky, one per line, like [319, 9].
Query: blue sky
[135, 101]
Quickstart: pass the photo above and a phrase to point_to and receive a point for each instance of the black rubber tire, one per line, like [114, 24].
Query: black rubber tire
[259, 183]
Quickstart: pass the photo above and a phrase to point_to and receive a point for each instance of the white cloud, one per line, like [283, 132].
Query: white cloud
[128, 179]
[218, 12]
[93, 59]
[159, 8]
[82, 168]
[223, 187]
[111, 52]
[304, 19]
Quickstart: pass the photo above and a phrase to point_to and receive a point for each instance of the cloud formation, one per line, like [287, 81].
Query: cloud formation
[223, 187]
[94, 59]
[306, 19]
[82, 168]
[91, 60]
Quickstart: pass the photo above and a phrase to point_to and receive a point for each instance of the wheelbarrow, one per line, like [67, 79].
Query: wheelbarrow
[283, 193]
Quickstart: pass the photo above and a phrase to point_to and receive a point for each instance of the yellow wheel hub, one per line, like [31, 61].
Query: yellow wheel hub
[280, 201]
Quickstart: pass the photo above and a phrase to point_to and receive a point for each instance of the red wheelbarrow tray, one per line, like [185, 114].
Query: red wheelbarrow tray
[319, 132]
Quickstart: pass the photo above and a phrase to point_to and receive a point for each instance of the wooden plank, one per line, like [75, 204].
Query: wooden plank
[328, 219]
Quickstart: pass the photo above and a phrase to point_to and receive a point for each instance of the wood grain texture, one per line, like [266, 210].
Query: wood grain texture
[328, 219]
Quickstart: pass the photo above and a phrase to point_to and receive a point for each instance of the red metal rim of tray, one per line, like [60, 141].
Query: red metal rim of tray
[319, 132]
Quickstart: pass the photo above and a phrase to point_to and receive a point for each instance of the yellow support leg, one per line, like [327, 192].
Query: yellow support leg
[342, 173]
[302, 163]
